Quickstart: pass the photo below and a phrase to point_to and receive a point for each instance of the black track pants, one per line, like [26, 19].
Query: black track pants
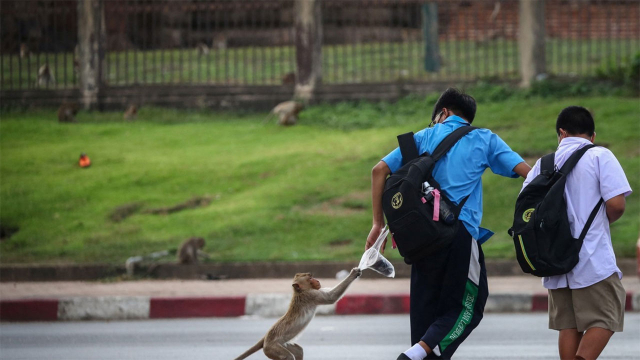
[448, 294]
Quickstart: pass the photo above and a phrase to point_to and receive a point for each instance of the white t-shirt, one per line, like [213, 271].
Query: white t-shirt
[597, 175]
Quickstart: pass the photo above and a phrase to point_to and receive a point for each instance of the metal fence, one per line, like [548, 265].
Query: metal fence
[213, 42]
[588, 36]
[34, 37]
[383, 41]
[251, 42]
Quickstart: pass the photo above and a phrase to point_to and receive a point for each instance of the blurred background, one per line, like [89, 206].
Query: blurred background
[197, 159]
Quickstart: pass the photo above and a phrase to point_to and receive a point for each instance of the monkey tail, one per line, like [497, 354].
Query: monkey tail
[270, 116]
[253, 349]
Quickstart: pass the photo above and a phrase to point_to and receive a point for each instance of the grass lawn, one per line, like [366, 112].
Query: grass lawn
[298, 193]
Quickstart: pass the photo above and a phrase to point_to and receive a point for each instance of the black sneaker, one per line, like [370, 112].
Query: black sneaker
[403, 356]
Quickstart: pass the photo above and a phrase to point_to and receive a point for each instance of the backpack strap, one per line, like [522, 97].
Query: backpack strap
[594, 212]
[408, 147]
[573, 159]
[566, 169]
[443, 148]
[547, 163]
[447, 143]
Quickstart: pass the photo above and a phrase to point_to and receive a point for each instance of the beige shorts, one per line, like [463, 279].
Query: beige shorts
[599, 305]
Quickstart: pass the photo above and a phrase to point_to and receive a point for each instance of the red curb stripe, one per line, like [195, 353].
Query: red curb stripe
[29, 310]
[196, 307]
[373, 304]
[540, 302]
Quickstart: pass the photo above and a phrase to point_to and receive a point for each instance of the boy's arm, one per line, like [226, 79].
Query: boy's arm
[378, 176]
[502, 160]
[522, 169]
[615, 208]
[614, 186]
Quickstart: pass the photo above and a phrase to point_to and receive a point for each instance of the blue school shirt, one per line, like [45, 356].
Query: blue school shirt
[459, 172]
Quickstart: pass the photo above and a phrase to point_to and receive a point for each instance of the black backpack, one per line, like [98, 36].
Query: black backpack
[541, 231]
[409, 212]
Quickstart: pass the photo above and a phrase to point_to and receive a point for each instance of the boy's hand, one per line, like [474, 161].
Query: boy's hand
[373, 236]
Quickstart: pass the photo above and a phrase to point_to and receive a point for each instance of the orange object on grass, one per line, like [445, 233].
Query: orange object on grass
[84, 160]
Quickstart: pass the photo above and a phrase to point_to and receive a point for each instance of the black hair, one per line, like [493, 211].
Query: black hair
[575, 120]
[460, 103]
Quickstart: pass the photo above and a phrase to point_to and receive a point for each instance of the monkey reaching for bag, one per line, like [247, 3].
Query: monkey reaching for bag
[307, 295]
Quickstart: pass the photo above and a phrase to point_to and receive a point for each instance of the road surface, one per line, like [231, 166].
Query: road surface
[499, 336]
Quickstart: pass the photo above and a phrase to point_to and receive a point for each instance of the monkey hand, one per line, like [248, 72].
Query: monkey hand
[355, 273]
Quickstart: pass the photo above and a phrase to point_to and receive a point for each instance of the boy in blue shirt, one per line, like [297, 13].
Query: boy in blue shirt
[449, 288]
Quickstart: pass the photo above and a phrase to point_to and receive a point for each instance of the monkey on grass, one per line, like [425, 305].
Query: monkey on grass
[202, 49]
[289, 79]
[287, 112]
[190, 250]
[131, 113]
[307, 295]
[45, 76]
[67, 112]
[24, 51]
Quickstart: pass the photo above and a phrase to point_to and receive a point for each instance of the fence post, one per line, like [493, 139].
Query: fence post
[531, 40]
[430, 35]
[91, 51]
[308, 42]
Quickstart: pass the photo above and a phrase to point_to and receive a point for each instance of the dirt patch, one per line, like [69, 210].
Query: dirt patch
[194, 202]
[340, 242]
[7, 231]
[266, 174]
[124, 211]
[350, 204]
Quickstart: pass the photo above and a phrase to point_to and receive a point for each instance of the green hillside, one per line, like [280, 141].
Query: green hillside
[297, 193]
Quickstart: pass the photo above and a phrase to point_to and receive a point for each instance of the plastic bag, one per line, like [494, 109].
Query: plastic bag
[374, 260]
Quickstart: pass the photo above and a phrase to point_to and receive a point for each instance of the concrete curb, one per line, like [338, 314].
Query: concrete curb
[262, 305]
[239, 270]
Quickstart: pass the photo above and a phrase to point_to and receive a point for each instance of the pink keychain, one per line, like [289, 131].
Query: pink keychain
[436, 205]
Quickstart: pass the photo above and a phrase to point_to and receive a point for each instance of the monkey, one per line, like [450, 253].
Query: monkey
[67, 112]
[202, 49]
[45, 76]
[289, 79]
[76, 68]
[219, 42]
[493, 33]
[494, 13]
[287, 112]
[76, 61]
[307, 295]
[131, 113]
[190, 250]
[24, 51]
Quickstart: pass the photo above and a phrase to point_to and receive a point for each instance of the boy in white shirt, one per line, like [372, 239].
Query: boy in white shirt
[587, 304]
